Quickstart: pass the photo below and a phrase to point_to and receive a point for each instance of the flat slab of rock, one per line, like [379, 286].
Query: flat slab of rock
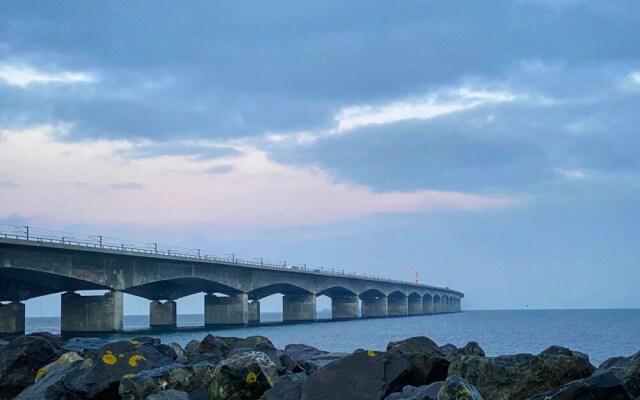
[425, 392]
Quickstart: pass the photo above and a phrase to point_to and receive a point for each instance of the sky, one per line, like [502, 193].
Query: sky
[491, 147]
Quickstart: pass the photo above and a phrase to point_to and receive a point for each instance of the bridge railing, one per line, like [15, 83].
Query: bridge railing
[41, 235]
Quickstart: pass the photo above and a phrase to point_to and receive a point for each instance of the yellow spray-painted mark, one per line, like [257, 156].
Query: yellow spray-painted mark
[251, 377]
[109, 358]
[41, 372]
[133, 360]
[464, 393]
[371, 353]
[134, 342]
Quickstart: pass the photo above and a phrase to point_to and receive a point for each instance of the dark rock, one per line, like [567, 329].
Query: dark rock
[629, 375]
[563, 351]
[55, 340]
[425, 392]
[448, 349]
[187, 378]
[251, 341]
[200, 394]
[470, 349]
[47, 378]
[322, 360]
[519, 376]
[165, 350]
[612, 363]
[146, 340]
[296, 357]
[86, 347]
[288, 387]
[99, 377]
[456, 388]
[418, 344]
[264, 347]
[169, 395]
[20, 361]
[602, 386]
[246, 376]
[362, 375]
[192, 348]
[181, 355]
[215, 345]
[425, 369]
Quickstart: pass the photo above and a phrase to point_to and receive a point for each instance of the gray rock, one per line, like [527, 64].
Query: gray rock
[20, 361]
[181, 355]
[456, 388]
[48, 376]
[602, 386]
[99, 377]
[629, 375]
[470, 349]
[425, 392]
[322, 360]
[86, 347]
[563, 351]
[418, 344]
[519, 376]
[425, 369]
[363, 375]
[169, 395]
[288, 387]
[296, 357]
[448, 349]
[192, 348]
[613, 362]
[187, 378]
[215, 345]
[246, 376]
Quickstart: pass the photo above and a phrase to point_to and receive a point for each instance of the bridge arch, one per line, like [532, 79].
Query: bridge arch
[18, 284]
[176, 288]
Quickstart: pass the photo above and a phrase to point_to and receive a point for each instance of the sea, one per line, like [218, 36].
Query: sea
[599, 333]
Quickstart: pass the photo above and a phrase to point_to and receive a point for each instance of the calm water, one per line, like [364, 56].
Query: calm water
[599, 333]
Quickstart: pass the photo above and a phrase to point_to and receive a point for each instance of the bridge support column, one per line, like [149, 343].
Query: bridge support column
[299, 307]
[254, 312]
[12, 318]
[344, 307]
[398, 307]
[226, 311]
[415, 306]
[163, 315]
[427, 305]
[375, 307]
[93, 314]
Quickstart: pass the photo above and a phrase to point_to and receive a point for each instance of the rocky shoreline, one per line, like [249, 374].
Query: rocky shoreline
[44, 366]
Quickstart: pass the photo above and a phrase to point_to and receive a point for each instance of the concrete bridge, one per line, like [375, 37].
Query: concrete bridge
[34, 266]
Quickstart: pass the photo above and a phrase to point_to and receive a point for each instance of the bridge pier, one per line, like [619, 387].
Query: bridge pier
[397, 306]
[375, 307]
[254, 312]
[427, 304]
[12, 317]
[437, 305]
[344, 307]
[299, 307]
[226, 311]
[95, 314]
[415, 305]
[163, 315]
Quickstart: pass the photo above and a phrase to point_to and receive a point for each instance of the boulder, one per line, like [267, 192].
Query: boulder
[563, 351]
[213, 345]
[288, 387]
[169, 395]
[55, 340]
[181, 355]
[601, 386]
[629, 375]
[146, 340]
[250, 341]
[425, 369]
[264, 347]
[20, 361]
[86, 347]
[187, 378]
[470, 349]
[519, 376]
[243, 377]
[322, 360]
[362, 375]
[612, 362]
[418, 344]
[296, 357]
[192, 348]
[456, 388]
[99, 377]
[47, 378]
[448, 349]
[425, 392]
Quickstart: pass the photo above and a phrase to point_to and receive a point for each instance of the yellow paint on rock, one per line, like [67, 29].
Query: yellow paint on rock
[133, 360]
[41, 372]
[109, 358]
[371, 353]
[251, 377]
